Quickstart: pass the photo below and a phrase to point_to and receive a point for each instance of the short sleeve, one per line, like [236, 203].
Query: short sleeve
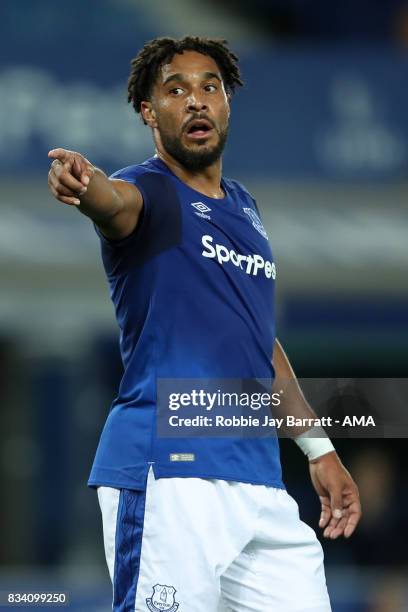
[140, 229]
[158, 229]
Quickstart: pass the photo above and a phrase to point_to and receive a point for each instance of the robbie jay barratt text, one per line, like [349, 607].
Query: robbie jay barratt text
[248, 421]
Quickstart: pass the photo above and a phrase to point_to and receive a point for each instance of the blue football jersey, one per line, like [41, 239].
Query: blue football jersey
[193, 291]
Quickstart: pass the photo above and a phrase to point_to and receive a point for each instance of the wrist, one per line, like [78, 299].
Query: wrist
[314, 443]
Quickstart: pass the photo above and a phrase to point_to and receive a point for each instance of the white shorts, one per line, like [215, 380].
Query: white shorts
[196, 545]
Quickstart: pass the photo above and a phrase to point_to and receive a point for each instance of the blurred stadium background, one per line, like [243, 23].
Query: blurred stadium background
[320, 136]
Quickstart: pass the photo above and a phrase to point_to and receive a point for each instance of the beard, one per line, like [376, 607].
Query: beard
[195, 159]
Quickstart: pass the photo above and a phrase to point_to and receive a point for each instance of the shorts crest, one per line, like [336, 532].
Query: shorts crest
[162, 599]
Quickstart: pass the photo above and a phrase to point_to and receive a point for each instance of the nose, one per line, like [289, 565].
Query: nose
[195, 104]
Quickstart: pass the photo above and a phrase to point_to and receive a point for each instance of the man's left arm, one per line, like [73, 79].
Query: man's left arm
[338, 493]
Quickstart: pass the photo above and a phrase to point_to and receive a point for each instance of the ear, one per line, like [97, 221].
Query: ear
[148, 113]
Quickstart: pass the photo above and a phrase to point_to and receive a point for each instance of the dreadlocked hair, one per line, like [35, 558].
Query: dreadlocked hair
[145, 66]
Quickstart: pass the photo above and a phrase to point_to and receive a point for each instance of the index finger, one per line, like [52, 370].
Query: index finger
[61, 154]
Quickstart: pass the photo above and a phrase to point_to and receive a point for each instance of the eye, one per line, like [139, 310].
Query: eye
[176, 91]
[210, 87]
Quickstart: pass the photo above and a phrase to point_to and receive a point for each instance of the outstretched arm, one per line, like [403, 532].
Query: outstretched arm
[114, 205]
[338, 493]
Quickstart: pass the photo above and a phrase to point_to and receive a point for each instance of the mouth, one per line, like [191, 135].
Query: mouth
[199, 129]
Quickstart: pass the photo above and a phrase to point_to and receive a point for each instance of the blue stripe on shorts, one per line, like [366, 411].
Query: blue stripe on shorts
[129, 531]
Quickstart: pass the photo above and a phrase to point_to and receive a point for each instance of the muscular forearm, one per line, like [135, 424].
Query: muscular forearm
[312, 439]
[293, 402]
[100, 201]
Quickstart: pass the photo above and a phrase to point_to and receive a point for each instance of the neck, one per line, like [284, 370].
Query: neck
[207, 181]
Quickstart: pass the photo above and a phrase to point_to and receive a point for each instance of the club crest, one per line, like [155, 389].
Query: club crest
[162, 599]
[256, 222]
